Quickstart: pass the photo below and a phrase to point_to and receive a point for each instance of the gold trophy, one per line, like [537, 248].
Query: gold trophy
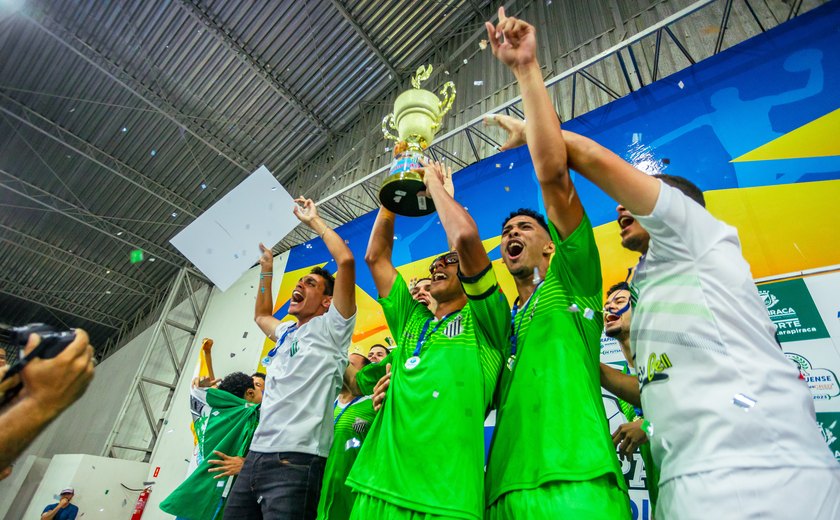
[416, 117]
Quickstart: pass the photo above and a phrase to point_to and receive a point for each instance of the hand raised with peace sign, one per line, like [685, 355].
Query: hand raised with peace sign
[513, 41]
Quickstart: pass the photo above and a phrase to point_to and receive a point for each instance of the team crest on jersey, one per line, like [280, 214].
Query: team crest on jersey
[453, 328]
[294, 348]
[361, 426]
[654, 370]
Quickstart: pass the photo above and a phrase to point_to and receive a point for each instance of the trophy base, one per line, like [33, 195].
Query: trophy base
[400, 193]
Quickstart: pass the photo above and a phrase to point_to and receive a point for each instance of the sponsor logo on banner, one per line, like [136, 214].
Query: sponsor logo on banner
[792, 310]
[610, 347]
[829, 424]
[821, 381]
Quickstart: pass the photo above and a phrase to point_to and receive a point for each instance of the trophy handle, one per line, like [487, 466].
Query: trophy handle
[388, 122]
[448, 93]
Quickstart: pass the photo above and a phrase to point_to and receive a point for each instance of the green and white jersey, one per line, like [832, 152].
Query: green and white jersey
[551, 424]
[425, 451]
[352, 423]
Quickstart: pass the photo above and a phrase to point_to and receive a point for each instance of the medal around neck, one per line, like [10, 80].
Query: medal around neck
[412, 362]
[510, 362]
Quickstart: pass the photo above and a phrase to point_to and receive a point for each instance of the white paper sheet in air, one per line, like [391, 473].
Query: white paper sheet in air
[224, 241]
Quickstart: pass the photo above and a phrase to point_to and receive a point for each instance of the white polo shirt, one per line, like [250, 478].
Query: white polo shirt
[301, 383]
[715, 384]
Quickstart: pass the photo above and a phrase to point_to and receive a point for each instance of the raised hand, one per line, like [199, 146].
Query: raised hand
[208, 382]
[513, 41]
[514, 127]
[58, 382]
[266, 258]
[305, 211]
[435, 173]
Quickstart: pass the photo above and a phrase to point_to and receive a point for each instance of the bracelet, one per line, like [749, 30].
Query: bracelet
[266, 275]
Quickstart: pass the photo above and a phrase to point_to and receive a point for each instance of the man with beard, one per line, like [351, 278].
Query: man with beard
[282, 474]
[551, 454]
[425, 452]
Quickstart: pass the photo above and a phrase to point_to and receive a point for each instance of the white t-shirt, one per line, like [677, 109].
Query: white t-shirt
[715, 384]
[301, 383]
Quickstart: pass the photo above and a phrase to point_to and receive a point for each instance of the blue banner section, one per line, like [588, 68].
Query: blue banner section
[754, 115]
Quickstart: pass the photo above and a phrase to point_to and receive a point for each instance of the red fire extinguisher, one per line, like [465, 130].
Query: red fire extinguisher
[141, 504]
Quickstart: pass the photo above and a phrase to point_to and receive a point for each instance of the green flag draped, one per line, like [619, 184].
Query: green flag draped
[228, 429]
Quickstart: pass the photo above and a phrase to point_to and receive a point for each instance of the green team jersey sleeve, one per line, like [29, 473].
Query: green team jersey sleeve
[577, 261]
[368, 376]
[398, 306]
[491, 314]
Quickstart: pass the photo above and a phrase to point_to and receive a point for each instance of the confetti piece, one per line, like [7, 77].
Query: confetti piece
[681, 84]
[153, 153]
[245, 334]
[498, 165]
[507, 188]
[352, 443]
[232, 354]
[482, 44]
[136, 256]
[466, 61]
[588, 313]
[573, 308]
[510, 167]
[537, 278]
[435, 394]
[478, 83]
[124, 129]
[743, 401]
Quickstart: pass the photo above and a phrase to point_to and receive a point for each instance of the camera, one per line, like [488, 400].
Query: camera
[52, 343]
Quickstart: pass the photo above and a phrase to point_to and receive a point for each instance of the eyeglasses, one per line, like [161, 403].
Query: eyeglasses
[448, 259]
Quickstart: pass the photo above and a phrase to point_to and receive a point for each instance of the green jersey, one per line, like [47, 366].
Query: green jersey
[551, 424]
[425, 451]
[228, 428]
[352, 422]
[631, 413]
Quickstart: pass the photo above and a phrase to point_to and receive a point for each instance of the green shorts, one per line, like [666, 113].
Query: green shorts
[367, 507]
[596, 499]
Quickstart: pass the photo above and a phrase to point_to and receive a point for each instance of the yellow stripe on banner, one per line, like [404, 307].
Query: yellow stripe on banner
[819, 138]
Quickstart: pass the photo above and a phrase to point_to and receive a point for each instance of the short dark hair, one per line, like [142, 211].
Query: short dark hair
[620, 286]
[261, 375]
[237, 383]
[365, 361]
[688, 188]
[380, 345]
[329, 279]
[527, 212]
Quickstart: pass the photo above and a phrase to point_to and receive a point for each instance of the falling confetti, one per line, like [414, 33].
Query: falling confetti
[245, 334]
[232, 354]
[136, 256]
[203, 186]
[681, 84]
[352, 443]
[124, 129]
[466, 61]
[507, 188]
[498, 165]
[588, 313]
[435, 394]
[478, 83]
[482, 44]
[743, 401]
[510, 166]
[573, 308]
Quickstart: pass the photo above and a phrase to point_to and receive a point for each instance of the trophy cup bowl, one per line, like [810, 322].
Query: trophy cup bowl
[416, 118]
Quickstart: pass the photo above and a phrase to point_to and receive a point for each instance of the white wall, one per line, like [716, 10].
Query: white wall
[229, 316]
[98, 482]
[21, 485]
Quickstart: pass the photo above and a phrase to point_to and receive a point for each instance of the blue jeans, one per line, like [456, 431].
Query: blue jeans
[276, 486]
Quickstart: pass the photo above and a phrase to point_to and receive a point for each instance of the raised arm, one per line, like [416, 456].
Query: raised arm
[514, 43]
[632, 188]
[379, 250]
[344, 295]
[263, 309]
[461, 231]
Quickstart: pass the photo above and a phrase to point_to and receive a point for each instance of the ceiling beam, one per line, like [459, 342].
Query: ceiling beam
[61, 135]
[74, 212]
[57, 303]
[340, 7]
[202, 14]
[36, 246]
[153, 99]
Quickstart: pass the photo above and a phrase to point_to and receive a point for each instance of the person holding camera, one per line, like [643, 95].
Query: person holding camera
[49, 387]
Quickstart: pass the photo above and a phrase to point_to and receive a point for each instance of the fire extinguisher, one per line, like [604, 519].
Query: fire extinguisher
[141, 504]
